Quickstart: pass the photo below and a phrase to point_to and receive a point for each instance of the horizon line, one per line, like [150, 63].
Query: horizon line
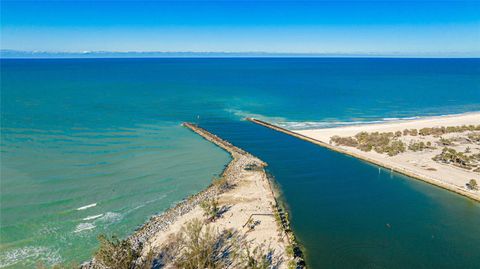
[11, 53]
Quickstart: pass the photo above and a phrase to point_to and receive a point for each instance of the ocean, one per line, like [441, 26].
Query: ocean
[91, 146]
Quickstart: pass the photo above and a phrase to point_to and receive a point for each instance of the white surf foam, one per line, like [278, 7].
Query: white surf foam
[87, 206]
[245, 114]
[305, 125]
[399, 119]
[299, 125]
[29, 256]
[110, 217]
[83, 227]
[93, 217]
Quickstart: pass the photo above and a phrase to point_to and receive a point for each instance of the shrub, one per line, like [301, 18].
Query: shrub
[475, 137]
[258, 258]
[449, 155]
[200, 246]
[432, 131]
[250, 224]
[419, 146]
[292, 265]
[344, 141]
[380, 142]
[253, 167]
[395, 148]
[290, 251]
[115, 254]
[436, 131]
[472, 184]
[445, 142]
[220, 182]
[210, 208]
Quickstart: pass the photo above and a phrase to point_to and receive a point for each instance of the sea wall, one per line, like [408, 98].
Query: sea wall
[278, 209]
[411, 174]
[241, 160]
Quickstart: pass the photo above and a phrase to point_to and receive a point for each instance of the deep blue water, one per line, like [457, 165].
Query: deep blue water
[351, 214]
[106, 92]
[105, 133]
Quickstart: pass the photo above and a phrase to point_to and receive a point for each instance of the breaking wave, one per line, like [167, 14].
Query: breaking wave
[305, 125]
[29, 256]
[84, 226]
[87, 206]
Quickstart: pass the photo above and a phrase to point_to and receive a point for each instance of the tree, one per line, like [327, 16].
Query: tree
[472, 184]
[198, 245]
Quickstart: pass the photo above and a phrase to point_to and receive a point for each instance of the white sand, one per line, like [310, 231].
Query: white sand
[251, 194]
[418, 164]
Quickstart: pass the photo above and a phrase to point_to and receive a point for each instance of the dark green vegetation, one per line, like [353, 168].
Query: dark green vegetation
[115, 253]
[474, 137]
[420, 146]
[445, 142]
[472, 184]
[380, 142]
[437, 131]
[196, 245]
[460, 159]
[210, 208]
[256, 258]
[412, 132]
[200, 246]
[389, 143]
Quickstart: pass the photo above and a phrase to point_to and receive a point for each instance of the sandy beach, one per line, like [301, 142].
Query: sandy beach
[251, 197]
[249, 208]
[417, 164]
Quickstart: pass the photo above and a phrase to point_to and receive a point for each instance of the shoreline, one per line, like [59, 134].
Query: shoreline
[358, 124]
[277, 207]
[359, 155]
[251, 197]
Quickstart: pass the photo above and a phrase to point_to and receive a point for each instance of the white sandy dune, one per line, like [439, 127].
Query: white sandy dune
[418, 164]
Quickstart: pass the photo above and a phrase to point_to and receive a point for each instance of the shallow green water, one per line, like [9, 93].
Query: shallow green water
[83, 183]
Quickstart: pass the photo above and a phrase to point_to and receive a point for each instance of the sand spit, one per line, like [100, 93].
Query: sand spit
[249, 196]
[418, 164]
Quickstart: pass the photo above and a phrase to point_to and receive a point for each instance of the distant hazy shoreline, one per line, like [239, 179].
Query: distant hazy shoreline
[19, 54]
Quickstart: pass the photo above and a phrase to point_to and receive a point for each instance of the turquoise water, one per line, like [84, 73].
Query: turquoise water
[95, 146]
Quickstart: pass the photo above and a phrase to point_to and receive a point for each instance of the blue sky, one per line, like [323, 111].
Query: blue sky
[405, 27]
